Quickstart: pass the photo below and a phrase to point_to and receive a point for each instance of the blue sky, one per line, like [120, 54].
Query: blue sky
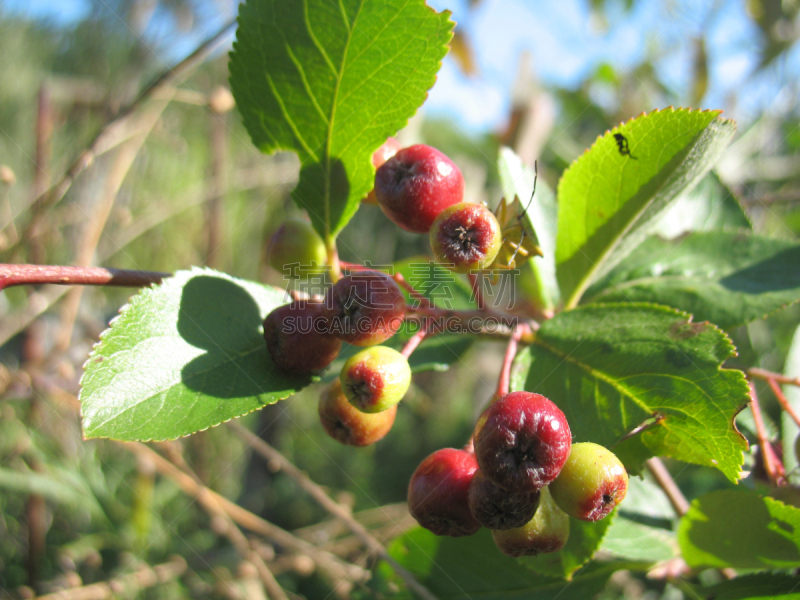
[566, 44]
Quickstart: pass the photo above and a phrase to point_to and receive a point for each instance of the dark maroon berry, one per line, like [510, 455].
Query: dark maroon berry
[437, 493]
[522, 441]
[364, 308]
[496, 508]
[297, 340]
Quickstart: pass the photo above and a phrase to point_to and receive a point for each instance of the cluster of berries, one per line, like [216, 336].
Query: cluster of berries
[522, 478]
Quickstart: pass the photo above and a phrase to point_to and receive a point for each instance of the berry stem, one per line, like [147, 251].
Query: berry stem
[784, 402]
[771, 464]
[333, 260]
[769, 375]
[504, 382]
[11, 275]
[412, 344]
[665, 481]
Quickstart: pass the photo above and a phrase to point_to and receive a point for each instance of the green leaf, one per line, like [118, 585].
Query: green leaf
[724, 277]
[584, 540]
[517, 180]
[612, 368]
[606, 197]
[472, 567]
[760, 586]
[740, 529]
[634, 541]
[181, 357]
[709, 206]
[331, 81]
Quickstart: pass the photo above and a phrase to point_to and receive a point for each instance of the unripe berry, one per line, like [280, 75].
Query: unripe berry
[415, 185]
[522, 441]
[375, 378]
[548, 531]
[437, 493]
[296, 340]
[296, 242]
[348, 425]
[496, 508]
[466, 237]
[592, 482]
[364, 308]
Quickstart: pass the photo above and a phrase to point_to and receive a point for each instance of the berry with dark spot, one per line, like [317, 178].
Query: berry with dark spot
[375, 378]
[296, 338]
[348, 425]
[387, 150]
[415, 185]
[548, 531]
[437, 493]
[592, 482]
[466, 237]
[364, 308]
[497, 508]
[522, 441]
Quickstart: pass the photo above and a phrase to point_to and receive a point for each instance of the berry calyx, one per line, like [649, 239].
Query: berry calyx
[375, 378]
[296, 338]
[466, 237]
[296, 243]
[496, 508]
[522, 441]
[437, 493]
[387, 150]
[415, 185]
[548, 531]
[348, 425]
[592, 482]
[364, 308]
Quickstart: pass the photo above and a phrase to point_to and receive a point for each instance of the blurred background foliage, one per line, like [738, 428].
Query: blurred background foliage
[187, 188]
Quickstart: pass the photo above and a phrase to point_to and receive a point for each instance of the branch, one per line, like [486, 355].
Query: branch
[667, 483]
[11, 275]
[124, 584]
[784, 402]
[338, 511]
[772, 465]
[412, 344]
[770, 376]
[504, 382]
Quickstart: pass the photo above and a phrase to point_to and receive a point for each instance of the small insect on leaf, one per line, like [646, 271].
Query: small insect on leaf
[622, 146]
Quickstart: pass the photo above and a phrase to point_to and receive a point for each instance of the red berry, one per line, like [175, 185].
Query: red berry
[387, 150]
[497, 508]
[348, 425]
[375, 378]
[296, 338]
[364, 308]
[466, 237]
[415, 185]
[437, 493]
[522, 441]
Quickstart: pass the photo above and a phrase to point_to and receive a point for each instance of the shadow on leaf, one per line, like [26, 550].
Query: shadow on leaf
[222, 318]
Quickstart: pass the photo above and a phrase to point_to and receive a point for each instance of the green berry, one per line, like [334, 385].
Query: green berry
[548, 531]
[375, 378]
[296, 243]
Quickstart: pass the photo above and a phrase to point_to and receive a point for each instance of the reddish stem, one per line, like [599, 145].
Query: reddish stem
[769, 375]
[11, 275]
[504, 382]
[412, 344]
[783, 400]
[771, 464]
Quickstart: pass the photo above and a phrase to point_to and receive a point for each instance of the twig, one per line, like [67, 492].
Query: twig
[772, 465]
[769, 375]
[334, 508]
[415, 341]
[59, 189]
[143, 578]
[236, 537]
[504, 381]
[665, 481]
[11, 275]
[784, 402]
